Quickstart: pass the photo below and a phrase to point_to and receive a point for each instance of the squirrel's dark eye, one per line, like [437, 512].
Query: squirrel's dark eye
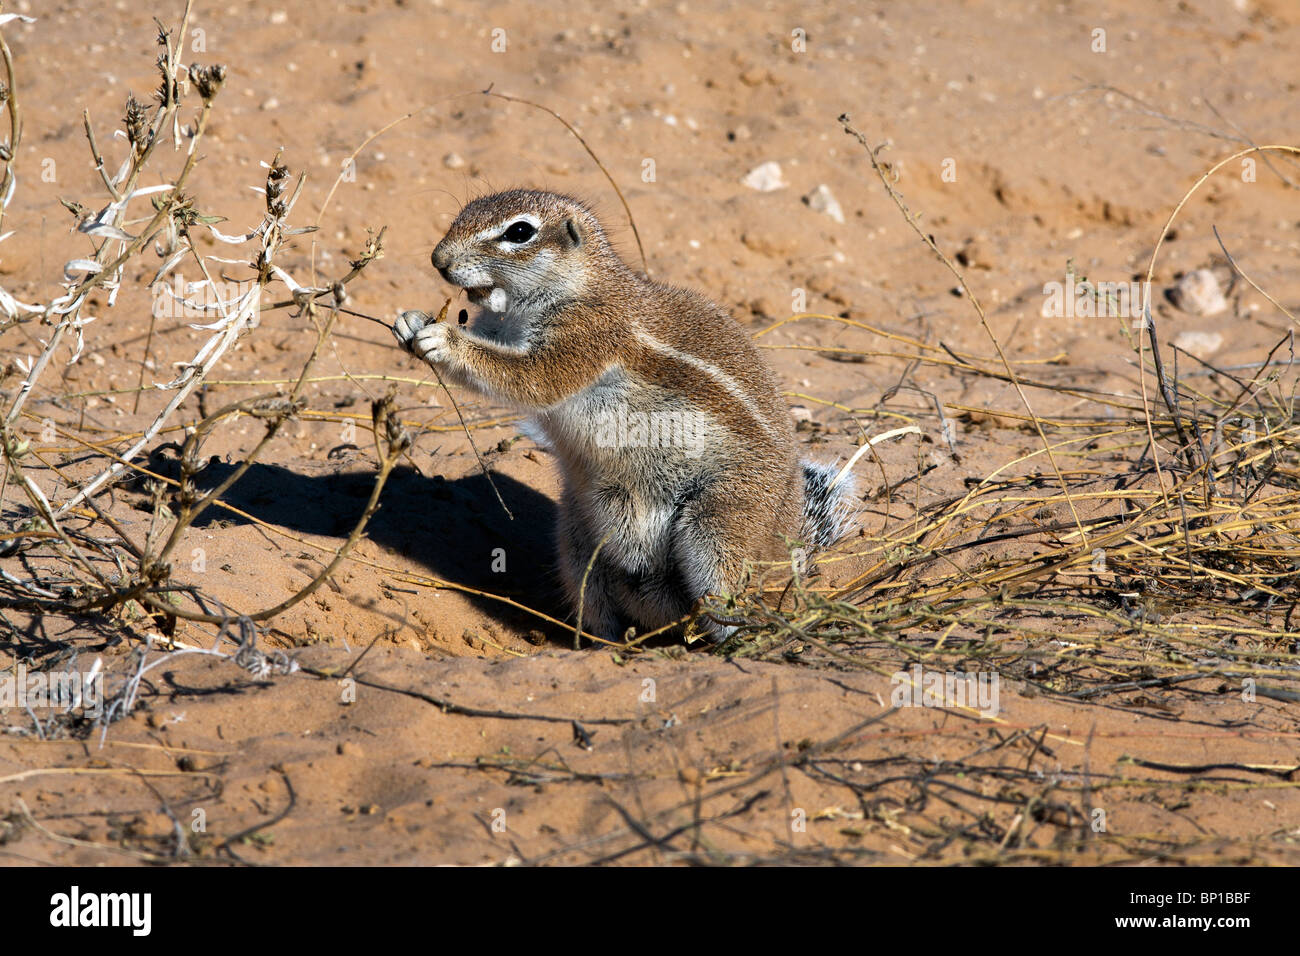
[519, 232]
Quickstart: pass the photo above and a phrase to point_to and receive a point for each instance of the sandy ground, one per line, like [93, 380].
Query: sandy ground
[1026, 151]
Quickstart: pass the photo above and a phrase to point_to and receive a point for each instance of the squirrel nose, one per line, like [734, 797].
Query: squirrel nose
[441, 258]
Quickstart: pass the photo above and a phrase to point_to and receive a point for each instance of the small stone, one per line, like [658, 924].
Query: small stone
[1200, 344]
[269, 104]
[766, 244]
[823, 200]
[350, 749]
[800, 414]
[975, 254]
[453, 161]
[765, 178]
[1198, 293]
[754, 76]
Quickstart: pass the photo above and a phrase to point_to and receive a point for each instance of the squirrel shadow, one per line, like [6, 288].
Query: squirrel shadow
[454, 528]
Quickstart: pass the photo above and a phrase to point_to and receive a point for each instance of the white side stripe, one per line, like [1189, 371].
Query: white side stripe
[712, 371]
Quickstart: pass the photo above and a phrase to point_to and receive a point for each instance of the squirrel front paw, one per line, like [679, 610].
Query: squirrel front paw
[433, 343]
[423, 338]
[407, 324]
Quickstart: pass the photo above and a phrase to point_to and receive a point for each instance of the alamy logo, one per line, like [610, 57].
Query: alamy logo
[62, 691]
[208, 299]
[103, 909]
[1125, 300]
[921, 688]
[621, 428]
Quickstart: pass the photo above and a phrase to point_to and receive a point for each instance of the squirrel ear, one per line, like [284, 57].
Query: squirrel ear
[571, 228]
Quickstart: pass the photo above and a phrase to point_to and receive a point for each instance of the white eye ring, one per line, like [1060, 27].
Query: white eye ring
[520, 232]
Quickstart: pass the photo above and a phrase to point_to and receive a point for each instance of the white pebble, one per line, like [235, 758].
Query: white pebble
[823, 200]
[1198, 293]
[765, 178]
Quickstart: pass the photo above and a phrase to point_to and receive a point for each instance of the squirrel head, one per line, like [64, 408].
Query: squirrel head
[524, 250]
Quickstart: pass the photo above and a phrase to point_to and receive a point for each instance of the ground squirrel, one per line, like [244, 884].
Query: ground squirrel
[678, 455]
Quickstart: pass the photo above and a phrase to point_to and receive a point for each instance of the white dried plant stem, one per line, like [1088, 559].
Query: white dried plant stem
[69, 304]
[131, 169]
[229, 330]
[197, 369]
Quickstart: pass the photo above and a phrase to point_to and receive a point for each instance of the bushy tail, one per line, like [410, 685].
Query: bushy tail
[828, 512]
